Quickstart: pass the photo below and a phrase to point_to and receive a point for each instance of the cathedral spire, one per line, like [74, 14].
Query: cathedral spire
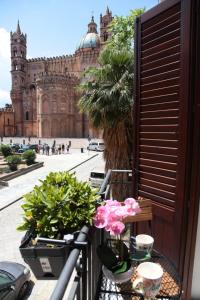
[92, 26]
[18, 28]
[107, 10]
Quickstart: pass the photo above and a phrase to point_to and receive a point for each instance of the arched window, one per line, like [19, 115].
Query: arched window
[14, 66]
[27, 115]
[22, 67]
[15, 52]
[8, 120]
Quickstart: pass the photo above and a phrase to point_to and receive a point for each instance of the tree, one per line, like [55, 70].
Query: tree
[108, 93]
[123, 30]
[108, 101]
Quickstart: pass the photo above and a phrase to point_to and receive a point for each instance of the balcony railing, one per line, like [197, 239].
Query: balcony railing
[82, 269]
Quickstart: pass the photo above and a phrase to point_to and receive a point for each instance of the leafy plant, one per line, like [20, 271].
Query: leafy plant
[13, 161]
[5, 150]
[59, 205]
[29, 156]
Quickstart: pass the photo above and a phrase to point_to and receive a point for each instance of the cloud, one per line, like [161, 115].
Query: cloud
[5, 44]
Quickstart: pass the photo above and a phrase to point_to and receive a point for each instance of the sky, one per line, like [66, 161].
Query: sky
[53, 27]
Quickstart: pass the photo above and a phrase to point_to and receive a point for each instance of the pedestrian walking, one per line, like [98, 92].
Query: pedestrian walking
[63, 148]
[47, 149]
[67, 149]
[59, 149]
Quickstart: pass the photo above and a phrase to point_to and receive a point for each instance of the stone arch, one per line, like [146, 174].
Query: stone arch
[63, 131]
[45, 104]
[55, 128]
[45, 128]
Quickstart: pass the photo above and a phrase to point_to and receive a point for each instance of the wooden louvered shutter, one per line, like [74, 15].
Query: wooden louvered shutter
[161, 120]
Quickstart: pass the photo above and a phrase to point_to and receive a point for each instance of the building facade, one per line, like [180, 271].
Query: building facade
[44, 90]
[7, 121]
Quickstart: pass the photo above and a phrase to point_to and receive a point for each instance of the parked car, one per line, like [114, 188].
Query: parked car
[96, 146]
[14, 280]
[15, 147]
[34, 147]
[23, 148]
[96, 177]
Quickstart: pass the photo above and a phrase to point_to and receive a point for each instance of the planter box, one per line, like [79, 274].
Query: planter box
[46, 262]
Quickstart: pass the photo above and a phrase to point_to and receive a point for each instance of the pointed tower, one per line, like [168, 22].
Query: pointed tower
[18, 74]
[104, 21]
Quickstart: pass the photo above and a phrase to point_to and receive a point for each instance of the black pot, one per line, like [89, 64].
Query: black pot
[46, 262]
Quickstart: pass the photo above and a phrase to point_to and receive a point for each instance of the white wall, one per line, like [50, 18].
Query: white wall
[196, 271]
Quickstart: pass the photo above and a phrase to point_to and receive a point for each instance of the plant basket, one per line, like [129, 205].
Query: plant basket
[45, 260]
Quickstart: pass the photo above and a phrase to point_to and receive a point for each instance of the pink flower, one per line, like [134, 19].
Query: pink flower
[113, 203]
[101, 218]
[110, 215]
[116, 228]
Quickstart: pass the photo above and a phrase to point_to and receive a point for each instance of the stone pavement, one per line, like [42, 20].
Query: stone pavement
[25, 183]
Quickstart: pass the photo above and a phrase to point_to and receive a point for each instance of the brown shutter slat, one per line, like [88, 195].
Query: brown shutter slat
[174, 24]
[159, 157]
[159, 128]
[159, 21]
[161, 69]
[156, 197]
[159, 185]
[159, 121]
[160, 47]
[159, 40]
[173, 50]
[159, 135]
[159, 113]
[158, 164]
[158, 178]
[159, 171]
[171, 97]
[160, 106]
[157, 192]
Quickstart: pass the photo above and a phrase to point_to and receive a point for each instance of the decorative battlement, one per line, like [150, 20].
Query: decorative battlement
[7, 109]
[56, 78]
[50, 58]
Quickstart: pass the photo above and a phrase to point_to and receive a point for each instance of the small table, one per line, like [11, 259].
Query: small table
[170, 285]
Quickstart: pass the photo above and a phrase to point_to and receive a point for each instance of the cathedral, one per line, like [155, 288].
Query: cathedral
[44, 90]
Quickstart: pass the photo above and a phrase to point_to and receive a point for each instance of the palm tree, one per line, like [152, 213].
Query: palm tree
[108, 101]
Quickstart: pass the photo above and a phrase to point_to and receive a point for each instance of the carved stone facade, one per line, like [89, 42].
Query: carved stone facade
[44, 90]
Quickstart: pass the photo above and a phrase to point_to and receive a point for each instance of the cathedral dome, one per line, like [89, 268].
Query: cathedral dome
[91, 39]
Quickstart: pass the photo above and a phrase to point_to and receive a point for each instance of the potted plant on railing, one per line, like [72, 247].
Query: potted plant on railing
[59, 206]
[114, 253]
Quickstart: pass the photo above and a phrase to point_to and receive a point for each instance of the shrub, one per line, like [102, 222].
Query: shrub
[13, 161]
[5, 150]
[59, 205]
[29, 156]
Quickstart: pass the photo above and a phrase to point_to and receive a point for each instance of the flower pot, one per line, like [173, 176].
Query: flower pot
[45, 261]
[118, 278]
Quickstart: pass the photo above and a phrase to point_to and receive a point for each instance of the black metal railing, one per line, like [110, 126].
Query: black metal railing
[80, 276]
[117, 183]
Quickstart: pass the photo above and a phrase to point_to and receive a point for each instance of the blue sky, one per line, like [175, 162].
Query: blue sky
[53, 27]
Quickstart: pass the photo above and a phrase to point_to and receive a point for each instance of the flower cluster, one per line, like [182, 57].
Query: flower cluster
[110, 215]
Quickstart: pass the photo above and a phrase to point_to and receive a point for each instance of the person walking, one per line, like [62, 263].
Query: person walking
[47, 150]
[63, 148]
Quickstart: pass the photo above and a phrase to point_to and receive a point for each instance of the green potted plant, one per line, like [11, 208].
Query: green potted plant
[13, 162]
[5, 150]
[59, 206]
[29, 156]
